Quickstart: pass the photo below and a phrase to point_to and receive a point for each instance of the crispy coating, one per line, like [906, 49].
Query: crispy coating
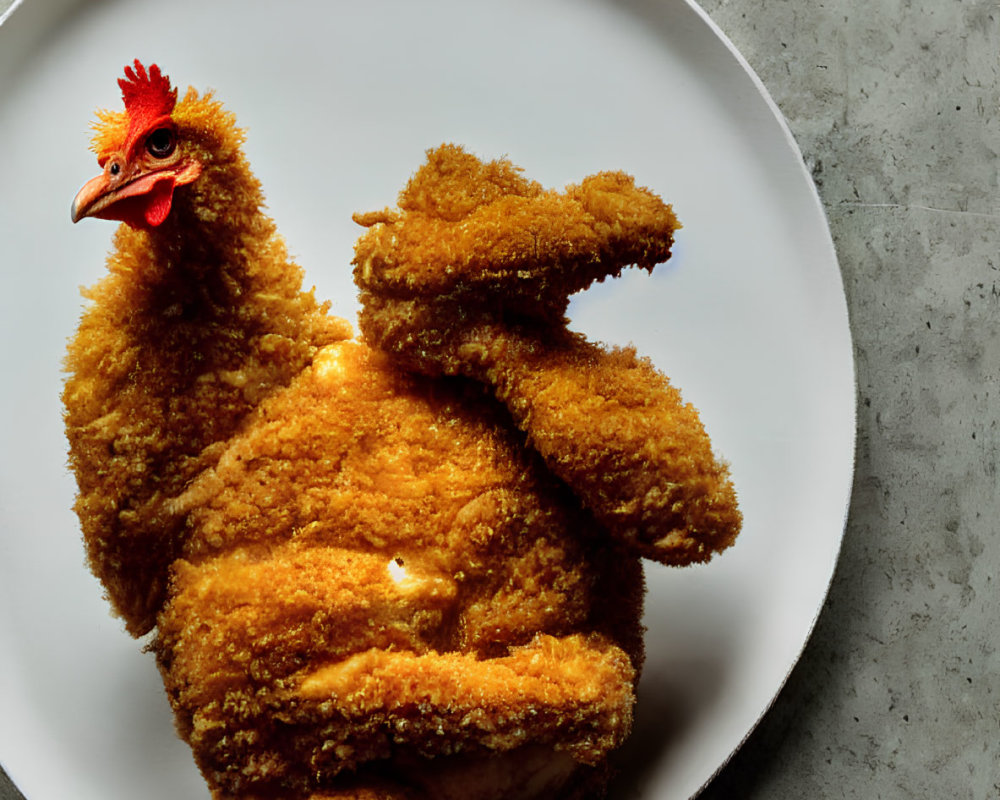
[471, 238]
[376, 569]
[471, 276]
[364, 583]
[185, 335]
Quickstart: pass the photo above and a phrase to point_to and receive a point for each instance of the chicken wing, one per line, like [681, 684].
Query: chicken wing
[471, 276]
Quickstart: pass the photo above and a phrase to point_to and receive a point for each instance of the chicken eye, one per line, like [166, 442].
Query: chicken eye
[160, 143]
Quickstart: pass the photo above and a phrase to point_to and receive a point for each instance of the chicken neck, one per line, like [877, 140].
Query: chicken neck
[197, 321]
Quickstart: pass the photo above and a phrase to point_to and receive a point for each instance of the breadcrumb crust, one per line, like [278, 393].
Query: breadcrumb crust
[367, 583]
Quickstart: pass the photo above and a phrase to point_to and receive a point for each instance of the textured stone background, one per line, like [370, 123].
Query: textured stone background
[894, 104]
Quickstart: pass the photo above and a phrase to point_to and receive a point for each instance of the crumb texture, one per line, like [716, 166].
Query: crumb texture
[471, 276]
[370, 579]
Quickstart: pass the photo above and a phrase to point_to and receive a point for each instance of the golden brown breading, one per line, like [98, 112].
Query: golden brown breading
[169, 358]
[365, 583]
[378, 570]
[472, 276]
[473, 239]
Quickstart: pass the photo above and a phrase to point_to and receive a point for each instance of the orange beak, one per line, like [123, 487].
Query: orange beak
[143, 200]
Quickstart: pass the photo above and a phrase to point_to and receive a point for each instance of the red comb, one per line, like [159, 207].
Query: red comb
[147, 95]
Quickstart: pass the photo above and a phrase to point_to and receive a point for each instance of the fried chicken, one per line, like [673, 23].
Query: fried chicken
[471, 276]
[364, 582]
[377, 569]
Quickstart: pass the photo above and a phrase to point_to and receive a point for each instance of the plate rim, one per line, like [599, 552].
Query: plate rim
[818, 210]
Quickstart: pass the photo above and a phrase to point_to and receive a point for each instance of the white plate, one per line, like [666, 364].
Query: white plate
[341, 100]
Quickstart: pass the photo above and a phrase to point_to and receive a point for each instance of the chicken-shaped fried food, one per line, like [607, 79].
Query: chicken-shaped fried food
[471, 276]
[361, 583]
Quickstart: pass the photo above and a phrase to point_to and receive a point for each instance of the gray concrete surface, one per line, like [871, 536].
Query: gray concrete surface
[894, 104]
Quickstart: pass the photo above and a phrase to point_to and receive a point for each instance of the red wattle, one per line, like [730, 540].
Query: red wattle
[158, 201]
